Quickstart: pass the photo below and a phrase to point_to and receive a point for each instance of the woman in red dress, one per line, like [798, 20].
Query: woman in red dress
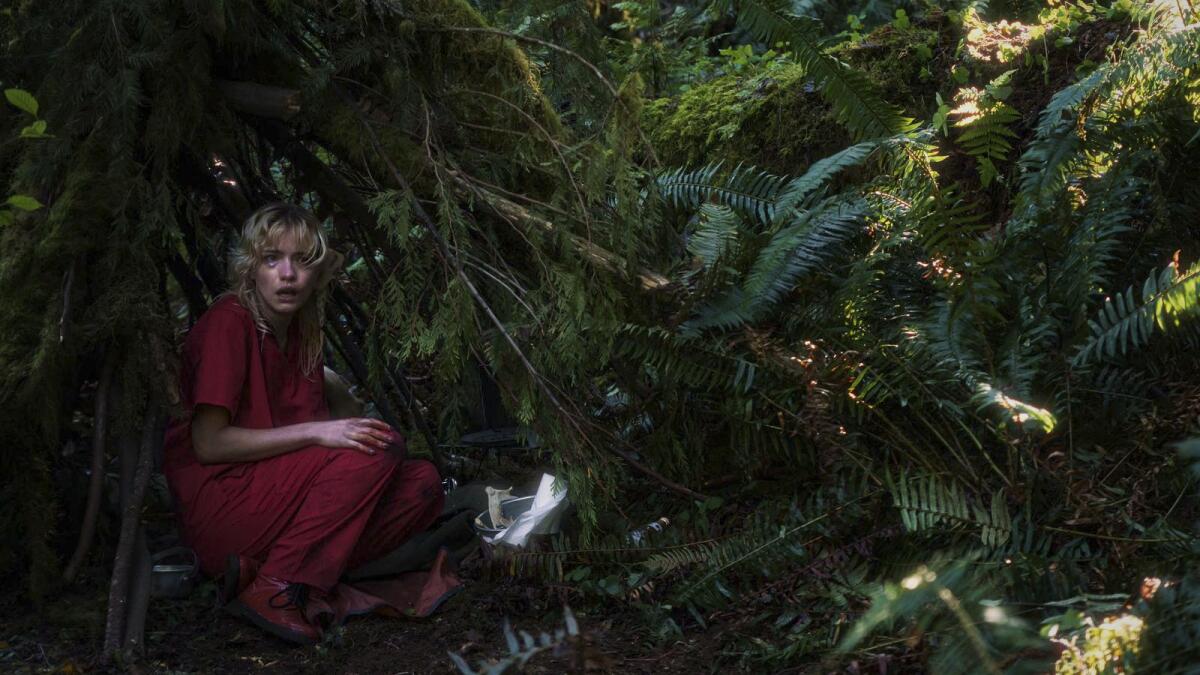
[271, 488]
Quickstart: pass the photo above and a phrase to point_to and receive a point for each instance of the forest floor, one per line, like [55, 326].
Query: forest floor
[192, 636]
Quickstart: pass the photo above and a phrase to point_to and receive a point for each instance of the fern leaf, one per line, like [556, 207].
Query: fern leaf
[821, 172]
[716, 235]
[790, 253]
[746, 189]
[1124, 324]
[926, 502]
[985, 134]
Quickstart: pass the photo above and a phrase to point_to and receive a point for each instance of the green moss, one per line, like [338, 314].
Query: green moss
[776, 120]
[905, 63]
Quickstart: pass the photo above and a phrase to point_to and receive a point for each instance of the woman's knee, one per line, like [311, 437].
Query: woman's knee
[422, 478]
[360, 468]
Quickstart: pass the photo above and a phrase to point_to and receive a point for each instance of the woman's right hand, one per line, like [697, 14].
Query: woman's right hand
[364, 434]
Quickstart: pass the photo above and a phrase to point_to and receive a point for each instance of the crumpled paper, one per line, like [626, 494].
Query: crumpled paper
[542, 517]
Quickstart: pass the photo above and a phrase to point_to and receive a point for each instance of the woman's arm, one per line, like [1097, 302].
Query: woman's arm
[214, 440]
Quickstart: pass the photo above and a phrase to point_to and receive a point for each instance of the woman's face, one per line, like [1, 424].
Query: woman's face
[283, 282]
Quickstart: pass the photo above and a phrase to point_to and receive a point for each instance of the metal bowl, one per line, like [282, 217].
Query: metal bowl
[173, 572]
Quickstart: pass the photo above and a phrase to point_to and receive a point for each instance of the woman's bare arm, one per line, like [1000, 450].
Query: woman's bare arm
[214, 440]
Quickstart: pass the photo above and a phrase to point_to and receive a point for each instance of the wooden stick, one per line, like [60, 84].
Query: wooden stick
[358, 364]
[96, 482]
[139, 594]
[137, 462]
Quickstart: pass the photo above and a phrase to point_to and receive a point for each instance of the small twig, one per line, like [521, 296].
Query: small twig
[68, 283]
[96, 481]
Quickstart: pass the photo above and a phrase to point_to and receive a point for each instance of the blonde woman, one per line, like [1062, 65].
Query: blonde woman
[271, 488]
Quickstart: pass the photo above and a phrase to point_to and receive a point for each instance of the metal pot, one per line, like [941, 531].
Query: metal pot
[173, 572]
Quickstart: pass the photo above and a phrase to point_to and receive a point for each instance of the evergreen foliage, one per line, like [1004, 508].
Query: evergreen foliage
[934, 376]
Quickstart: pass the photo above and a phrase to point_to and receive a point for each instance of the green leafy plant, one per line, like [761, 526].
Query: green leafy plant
[24, 101]
[984, 121]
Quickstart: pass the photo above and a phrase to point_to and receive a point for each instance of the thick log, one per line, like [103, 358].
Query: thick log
[260, 100]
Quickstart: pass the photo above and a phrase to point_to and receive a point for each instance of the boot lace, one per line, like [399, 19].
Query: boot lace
[293, 595]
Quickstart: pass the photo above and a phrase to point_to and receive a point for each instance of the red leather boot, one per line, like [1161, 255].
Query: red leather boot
[240, 570]
[277, 607]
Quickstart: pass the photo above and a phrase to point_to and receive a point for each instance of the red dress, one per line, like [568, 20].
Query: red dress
[307, 515]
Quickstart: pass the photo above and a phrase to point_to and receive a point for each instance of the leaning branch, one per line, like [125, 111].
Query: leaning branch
[601, 257]
[96, 481]
[127, 585]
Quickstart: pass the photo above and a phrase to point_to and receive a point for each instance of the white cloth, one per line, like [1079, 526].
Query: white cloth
[542, 517]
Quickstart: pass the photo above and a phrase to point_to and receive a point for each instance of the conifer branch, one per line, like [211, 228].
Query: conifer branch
[449, 256]
[612, 90]
[603, 258]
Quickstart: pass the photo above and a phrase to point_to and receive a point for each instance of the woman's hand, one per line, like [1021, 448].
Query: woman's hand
[357, 433]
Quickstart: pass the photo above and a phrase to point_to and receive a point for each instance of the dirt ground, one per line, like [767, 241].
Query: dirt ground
[192, 636]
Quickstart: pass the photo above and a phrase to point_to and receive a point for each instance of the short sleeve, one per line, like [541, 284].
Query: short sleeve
[218, 350]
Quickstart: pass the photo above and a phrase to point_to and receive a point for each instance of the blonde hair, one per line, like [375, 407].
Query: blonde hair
[262, 230]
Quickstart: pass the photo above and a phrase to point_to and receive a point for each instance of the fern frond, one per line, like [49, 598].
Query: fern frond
[746, 189]
[763, 543]
[819, 173]
[856, 102]
[1155, 66]
[1125, 324]
[929, 503]
[715, 236]
[1093, 250]
[792, 252]
[985, 133]
[691, 362]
